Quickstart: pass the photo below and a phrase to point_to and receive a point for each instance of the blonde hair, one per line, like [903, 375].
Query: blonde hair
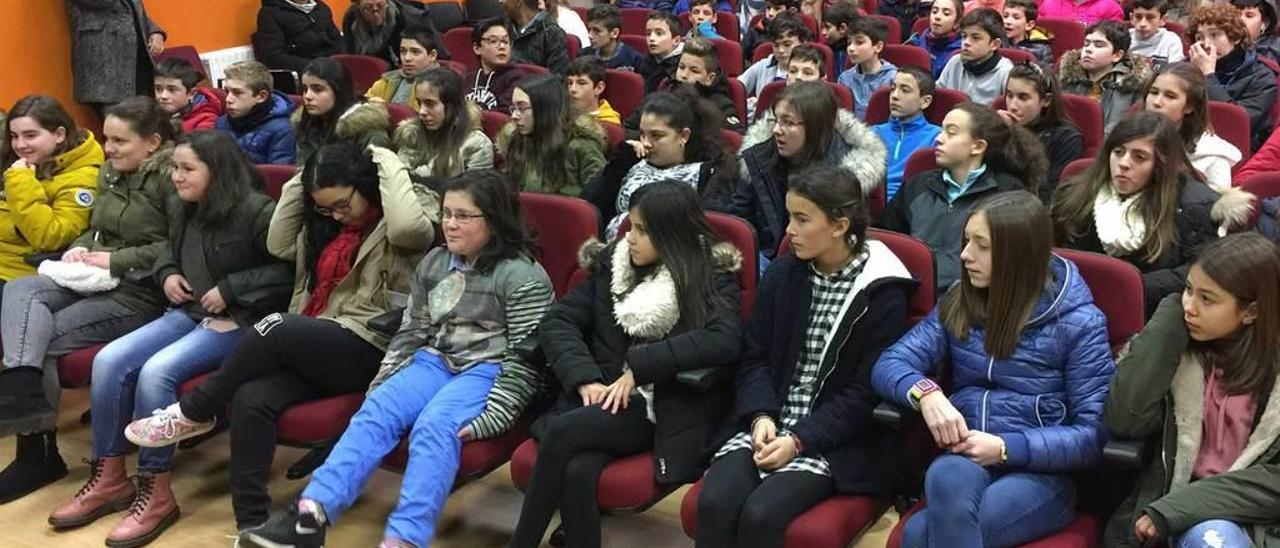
[255, 75]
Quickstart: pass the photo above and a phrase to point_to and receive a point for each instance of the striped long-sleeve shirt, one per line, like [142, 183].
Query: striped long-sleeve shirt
[468, 317]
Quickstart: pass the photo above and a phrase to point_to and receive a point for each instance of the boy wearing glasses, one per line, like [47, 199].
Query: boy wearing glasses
[493, 82]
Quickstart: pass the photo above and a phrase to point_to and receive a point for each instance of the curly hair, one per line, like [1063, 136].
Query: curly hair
[1225, 17]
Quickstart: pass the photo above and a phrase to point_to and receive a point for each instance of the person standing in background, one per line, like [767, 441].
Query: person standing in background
[112, 43]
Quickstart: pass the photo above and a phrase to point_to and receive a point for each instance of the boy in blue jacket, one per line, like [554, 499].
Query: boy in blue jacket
[257, 116]
[702, 20]
[869, 72]
[907, 130]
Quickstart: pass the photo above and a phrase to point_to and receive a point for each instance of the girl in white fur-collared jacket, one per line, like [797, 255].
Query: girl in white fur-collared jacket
[661, 300]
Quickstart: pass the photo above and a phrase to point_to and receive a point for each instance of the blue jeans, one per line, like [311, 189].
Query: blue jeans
[431, 402]
[1215, 533]
[141, 372]
[971, 506]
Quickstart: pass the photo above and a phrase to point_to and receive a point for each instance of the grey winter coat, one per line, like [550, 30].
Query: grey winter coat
[105, 38]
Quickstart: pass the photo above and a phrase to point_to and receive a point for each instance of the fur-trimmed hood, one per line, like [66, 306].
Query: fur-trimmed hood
[361, 118]
[725, 257]
[1233, 211]
[158, 163]
[410, 137]
[581, 127]
[857, 147]
[1130, 75]
[1188, 412]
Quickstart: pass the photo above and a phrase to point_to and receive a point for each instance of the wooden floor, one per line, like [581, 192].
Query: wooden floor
[479, 515]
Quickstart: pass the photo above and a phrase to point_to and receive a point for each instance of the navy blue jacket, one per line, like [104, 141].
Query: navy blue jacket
[841, 428]
[271, 142]
[1045, 400]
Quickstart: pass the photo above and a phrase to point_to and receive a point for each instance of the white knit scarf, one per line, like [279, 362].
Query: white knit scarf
[1120, 226]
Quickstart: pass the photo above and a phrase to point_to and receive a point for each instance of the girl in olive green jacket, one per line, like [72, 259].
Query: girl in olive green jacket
[1201, 378]
[544, 150]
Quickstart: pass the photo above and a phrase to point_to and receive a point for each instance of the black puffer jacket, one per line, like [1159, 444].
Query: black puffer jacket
[405, 14]
[585, 341]
[1249, 84]
[1063, 144]
[287, 38]
[542, 42]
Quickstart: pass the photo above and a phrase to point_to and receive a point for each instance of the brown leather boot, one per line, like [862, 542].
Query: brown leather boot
[153, 511]
[107, 491]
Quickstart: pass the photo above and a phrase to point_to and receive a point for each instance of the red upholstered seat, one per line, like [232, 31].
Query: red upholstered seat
[276, 176]
[1261, 185]
[1074, 168]
[1085, 113]
[919, 25]
[1017, 55]
[636, 41]
[832, 523]
[907, 55]
[918, 259]
[920, 161]
[726, 25]
[76, 369]
[624, 89]
[614, 135]
[478, 457]
[1231, 123]
[364, 69]
[891, 23]
[731, 139]
[1067, 35]
[738, 94]
[573, 45]
[1083, 532]
[633, 20]
[943, 101]
[457, 41]
[399, 113]
[1117, 291]
[531, 69]
[455, 66]
[492, 121]
[729, 53]
[318, 421]
[562, 223]
[186, 53]
[191, 384]
[844, 97]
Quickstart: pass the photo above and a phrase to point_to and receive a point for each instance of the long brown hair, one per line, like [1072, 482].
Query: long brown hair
[1073, 202]
[1195, 122]
[1247, 266]
[1010, 149]
[47, 112]
[1021, 238]
[816, 105]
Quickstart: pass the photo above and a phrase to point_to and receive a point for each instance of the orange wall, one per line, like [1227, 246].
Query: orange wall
[35, 46]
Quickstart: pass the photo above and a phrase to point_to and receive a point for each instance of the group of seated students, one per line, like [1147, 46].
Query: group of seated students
[163, 245]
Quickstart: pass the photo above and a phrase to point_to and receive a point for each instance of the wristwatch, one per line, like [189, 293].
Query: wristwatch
[920, 389]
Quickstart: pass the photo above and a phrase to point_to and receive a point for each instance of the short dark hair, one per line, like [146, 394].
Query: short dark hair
[1113, 31]
[924, 79]
[477, 32]
[841, 13]
[788, 4]
[1029, 7]
[1265, 8]
[711, 3]
[810, 53]
[499, 203]
[986, 19]
[424, 36]
[586, 65]
[871, 27]
[789, 23]
[838, 193]
[608, 15]
[673, 22]
[180, 69]
[1161, 6]
[145, 117]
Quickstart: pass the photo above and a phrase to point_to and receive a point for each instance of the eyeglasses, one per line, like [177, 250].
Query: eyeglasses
[495, 42]
[340, 206]
[458, 217]
[373, 8]
[519, 110]
[788, 124]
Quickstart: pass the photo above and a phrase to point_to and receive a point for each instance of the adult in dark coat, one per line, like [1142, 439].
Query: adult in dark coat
[112, 42]
[293, 32]
[373, 27]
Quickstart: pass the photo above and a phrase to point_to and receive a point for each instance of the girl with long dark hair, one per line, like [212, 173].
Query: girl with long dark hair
[354, 226]
[545, 149]
[1179, 93]
[455, 371]
[661, 300]
[1033, 100]
[219, 278]
[1201, 381]
[447, 137]
[1029, 363]
[331, 111]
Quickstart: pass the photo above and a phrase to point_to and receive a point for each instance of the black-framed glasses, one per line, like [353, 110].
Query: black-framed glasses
[340, 206]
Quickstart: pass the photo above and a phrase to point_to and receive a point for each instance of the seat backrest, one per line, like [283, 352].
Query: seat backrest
[1262, 185]
[1067, 35]
[636, 41]
[1117, 291]
[493, 121]
[891, 23]
[455, 66]
[726, 25]
[943, 101]
[731, 139]
[276, 176]
[1074, 168]
[222, 98]
[729, 53]
[1016, 55]
[1180, 30]
[919, 25]
[398, 113]
[458, 42]
[562, 223]
[446, 16]
[479, 10]
[614, 136]
[918, 162]
[188, 54]
[918, 259]
[739, 233]
[844, 97]
[1084, 113]
[738, 94]
[1275, 107]
[633, 20]
[1231, 122]
[907, 55]
[364, 69]
[573, 44]
[528, 68]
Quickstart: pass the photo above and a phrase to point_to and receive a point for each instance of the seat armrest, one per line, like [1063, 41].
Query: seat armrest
[388, 322]
[888, 414]
[704, 378]
[1125, 453]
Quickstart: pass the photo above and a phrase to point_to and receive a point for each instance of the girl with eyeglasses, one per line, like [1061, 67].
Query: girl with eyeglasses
[457, 370]
[354, 225]
[219, 279]
[545, 149]
[1033, 100]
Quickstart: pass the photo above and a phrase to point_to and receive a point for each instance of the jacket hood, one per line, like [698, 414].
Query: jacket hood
[205, 100]
[1068, 291]
[857, 146]
[282, 106]
[1038, 34]
[1233, 211]
[359, 119]
[160, 161]
[725, 257]
[587, 127]
[86, 154]
[412, 134]
[1130, 75]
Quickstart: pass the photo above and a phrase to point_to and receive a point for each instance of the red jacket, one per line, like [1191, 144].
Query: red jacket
[1266, 159]
[204, 110]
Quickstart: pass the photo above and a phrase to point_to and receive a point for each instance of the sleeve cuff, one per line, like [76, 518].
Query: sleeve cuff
[1016, 448]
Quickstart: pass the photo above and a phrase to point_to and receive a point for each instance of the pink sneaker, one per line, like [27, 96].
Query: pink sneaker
[164, 427]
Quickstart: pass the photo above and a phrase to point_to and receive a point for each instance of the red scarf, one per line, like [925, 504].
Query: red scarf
[336, 260]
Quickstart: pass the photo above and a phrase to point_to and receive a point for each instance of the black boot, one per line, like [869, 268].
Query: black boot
[23, 405]
[38, 464]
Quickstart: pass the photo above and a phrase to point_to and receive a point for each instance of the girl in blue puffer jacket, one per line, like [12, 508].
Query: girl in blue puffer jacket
[1029, 368]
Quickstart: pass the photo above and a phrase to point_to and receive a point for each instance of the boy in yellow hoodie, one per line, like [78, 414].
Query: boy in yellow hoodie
[418, 54]
[584, 80]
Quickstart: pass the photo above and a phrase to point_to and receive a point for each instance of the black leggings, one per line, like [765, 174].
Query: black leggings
[738, 509]
[283, 360]
[574, 448]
